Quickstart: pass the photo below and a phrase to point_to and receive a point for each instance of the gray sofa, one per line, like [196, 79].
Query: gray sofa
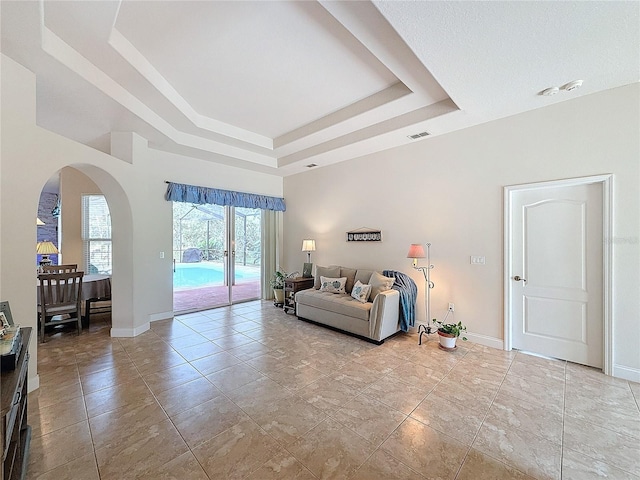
[374, 320]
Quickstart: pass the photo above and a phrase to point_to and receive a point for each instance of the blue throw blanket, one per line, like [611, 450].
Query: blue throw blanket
[408, 295]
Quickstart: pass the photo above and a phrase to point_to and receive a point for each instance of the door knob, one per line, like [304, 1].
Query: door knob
[517, 278]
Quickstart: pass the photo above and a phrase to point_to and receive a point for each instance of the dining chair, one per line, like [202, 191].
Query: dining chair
[67, 268]
[60, 300]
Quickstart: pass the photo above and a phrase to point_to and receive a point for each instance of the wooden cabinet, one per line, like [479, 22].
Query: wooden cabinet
[16, 433]
[291, 286]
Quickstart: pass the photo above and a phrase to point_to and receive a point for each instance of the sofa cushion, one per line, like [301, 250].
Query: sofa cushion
[380, 283]
[333, 272]
[363, 276]
[332, 285]
[342, 303]
[350, 274]
[361, 292]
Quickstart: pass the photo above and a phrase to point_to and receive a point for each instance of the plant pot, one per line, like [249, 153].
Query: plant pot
[278, 293]
[447, 341]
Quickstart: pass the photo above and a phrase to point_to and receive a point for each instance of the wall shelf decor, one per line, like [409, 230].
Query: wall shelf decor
[364, 234]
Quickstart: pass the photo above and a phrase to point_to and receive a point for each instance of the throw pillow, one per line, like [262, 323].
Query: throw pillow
[332, 271]
[361, 292]
[380, 283]
[332, 285]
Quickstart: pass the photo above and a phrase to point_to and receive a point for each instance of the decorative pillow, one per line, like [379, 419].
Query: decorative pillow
[332, 271]
[361, 292]
[380, 283]
[333, 285]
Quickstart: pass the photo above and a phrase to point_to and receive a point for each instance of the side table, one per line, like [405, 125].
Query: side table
[291, 286]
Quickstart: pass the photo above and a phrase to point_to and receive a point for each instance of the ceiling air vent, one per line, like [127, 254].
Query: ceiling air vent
[311, 165]
[416, 136]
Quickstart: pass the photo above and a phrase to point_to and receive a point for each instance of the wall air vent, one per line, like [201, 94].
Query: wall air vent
[416, 136]
[311, 165]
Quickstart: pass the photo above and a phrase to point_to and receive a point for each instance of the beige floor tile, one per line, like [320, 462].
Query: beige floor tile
[183, 397]
[58, 448]
[369, 418]
[355, 375]
[449, 418]
[576, 466]
[478, 402]
[119, 374]
[158, 362]
[234, 377]
[171, 377]
[84, 468]
[200, 350]
[267, 363]
[620, 417]
[551, 397]
[378, 361]
[487, 361]
[233, 341]
[547, 363]
[282, 466]
[382, 466]
[552, 377]
[183, 467]
[200, 423]
[296, 377]
[52, 395]
[88, 363]
[249, 351]
[401, 396]
[252, 396]
[287, 419]
[528, 453]
[327, 395]
[236, 452]
[57, 416]
[607, 395]
[132, 393]
[189, 340]
[527, 416]
[478, 466]
[417, 375]
[214, 363]
[331, 450]
[63, 376]
[467, 373]
[142, 450]
[602, 444]
[581, 373]
[115, 426]
[425, 450]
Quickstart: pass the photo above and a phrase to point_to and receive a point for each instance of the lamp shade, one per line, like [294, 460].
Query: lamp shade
[308, 245]
[416, 251]
[46, 248]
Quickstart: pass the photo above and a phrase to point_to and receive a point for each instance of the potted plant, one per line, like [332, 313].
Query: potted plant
[277, 283]
[448, 333]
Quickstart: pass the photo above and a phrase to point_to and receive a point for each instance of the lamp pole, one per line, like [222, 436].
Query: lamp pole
[428, 286]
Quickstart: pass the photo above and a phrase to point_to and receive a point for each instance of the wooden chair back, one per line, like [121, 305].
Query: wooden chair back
[67, 268]
[60, 297]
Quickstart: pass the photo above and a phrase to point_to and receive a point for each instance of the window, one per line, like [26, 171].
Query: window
[96, 234]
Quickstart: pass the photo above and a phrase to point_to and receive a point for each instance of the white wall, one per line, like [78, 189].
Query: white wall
[134, 188]
[448, 190]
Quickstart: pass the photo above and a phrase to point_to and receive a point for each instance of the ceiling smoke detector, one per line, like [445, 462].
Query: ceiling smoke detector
[572, 85]
[416, 136]
[311, 165]
[550, 91]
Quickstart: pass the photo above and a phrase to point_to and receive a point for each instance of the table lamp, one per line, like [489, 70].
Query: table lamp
[45, 249]
[308, 246]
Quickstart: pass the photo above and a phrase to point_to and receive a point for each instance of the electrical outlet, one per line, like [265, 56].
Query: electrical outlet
[451, 307]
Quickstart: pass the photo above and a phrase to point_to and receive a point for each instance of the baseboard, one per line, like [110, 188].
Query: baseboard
[130, 332]
[485, 340]
[627, 373]
[154, 317]
[33, 383]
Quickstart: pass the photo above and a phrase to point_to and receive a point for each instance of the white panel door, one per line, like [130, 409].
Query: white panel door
[557, 273]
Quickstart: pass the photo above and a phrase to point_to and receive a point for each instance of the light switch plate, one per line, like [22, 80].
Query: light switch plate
[477, 260]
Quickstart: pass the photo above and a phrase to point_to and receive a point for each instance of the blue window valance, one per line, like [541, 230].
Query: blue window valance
[178, 192]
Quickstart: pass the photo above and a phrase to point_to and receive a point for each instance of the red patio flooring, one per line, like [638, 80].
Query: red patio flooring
[203, 298]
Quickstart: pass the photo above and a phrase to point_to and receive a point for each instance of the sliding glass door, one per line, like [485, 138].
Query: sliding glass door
[209, 270]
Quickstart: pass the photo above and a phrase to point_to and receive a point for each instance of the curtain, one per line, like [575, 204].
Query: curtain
[271, 249]
[178, 192]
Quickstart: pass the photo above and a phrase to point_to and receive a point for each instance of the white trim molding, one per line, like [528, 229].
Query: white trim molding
[154, 317]
[130, 332]
[485, 340]
[628, 373]
[607, 262]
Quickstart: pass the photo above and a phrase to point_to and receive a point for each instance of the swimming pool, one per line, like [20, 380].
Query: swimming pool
[193, 275]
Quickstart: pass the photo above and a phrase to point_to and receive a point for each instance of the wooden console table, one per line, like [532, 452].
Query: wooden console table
[291, 286]
[16, 433]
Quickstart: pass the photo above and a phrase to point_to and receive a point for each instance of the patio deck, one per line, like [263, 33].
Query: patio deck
[203, 298]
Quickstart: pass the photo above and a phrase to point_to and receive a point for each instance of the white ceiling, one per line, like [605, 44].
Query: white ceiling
[275, 86]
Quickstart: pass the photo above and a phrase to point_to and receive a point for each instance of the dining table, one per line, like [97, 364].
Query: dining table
[95, 287]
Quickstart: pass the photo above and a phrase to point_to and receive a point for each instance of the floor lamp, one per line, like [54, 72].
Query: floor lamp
[415, 252]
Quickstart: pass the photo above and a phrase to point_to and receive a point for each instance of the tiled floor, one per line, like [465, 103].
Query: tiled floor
[249, 392]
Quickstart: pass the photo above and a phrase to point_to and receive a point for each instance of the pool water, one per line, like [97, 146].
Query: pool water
[201, 275]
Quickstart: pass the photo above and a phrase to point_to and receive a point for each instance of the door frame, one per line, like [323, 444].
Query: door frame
[606, 181]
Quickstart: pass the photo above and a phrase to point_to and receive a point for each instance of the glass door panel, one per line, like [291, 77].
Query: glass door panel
[200, 257]
[246, 254]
